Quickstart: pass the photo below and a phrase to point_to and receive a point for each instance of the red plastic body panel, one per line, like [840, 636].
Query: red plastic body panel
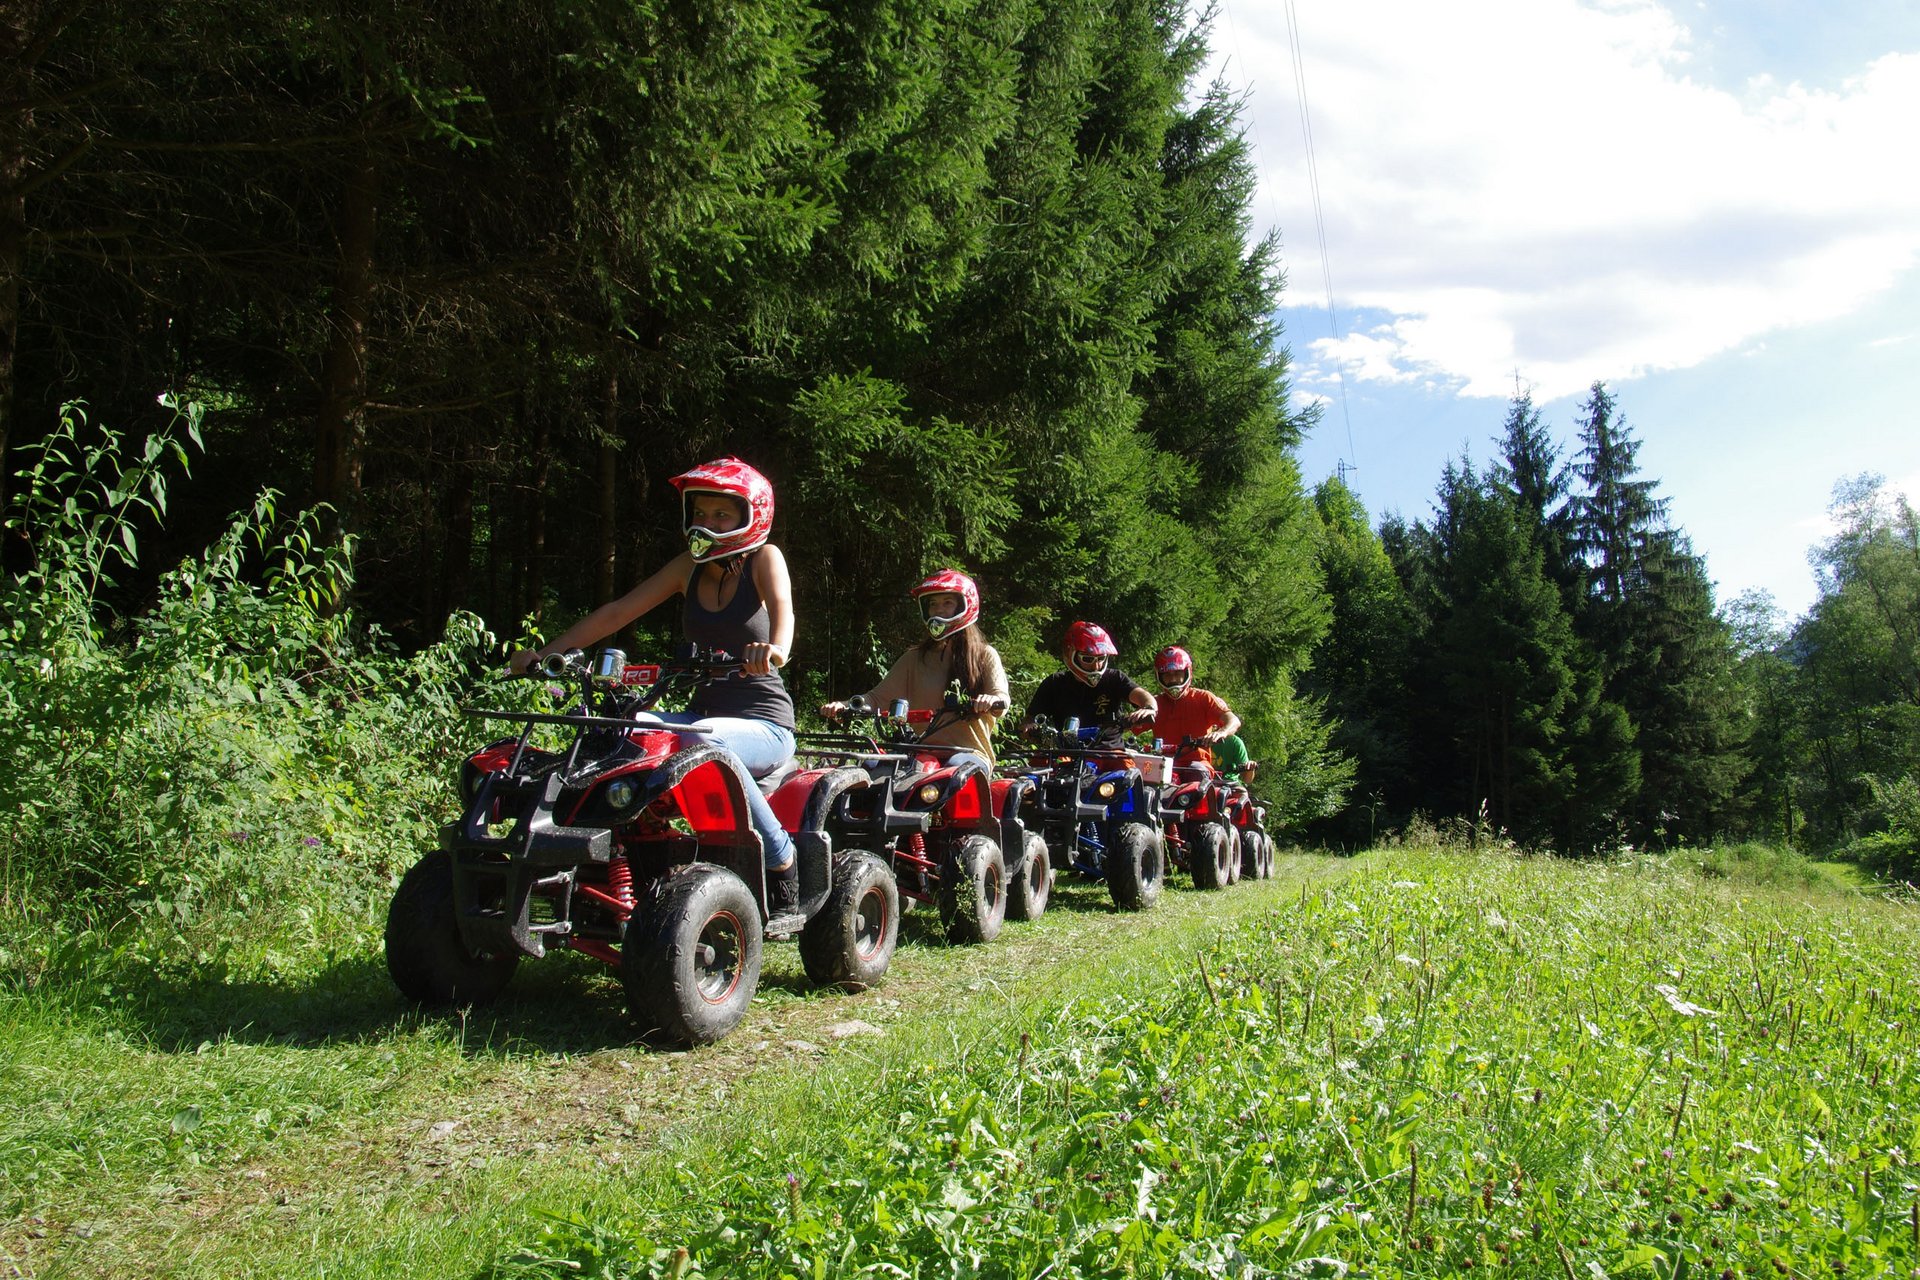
[706, 802]
[790, 800]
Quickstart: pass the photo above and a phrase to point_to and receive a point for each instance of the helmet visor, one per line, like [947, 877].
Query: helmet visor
[1089, 664]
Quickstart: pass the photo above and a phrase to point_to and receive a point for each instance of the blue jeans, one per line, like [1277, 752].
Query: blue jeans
[761, 746]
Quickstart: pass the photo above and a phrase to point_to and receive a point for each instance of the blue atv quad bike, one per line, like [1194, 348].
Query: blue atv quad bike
[1097, 809]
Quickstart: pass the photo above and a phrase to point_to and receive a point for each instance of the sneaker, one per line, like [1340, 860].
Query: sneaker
[783, 889]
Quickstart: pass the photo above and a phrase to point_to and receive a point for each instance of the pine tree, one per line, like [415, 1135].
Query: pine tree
[1664, 655]
[1531, 470]
[1506, 643]
[1361, 666]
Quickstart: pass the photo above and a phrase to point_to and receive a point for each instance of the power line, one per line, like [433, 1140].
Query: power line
[1319, 215]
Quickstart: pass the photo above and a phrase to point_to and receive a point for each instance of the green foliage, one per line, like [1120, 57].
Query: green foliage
[79, 511]
[239, 744]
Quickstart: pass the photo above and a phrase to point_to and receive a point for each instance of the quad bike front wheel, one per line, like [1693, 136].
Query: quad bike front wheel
[1236, 855]
[1262, 848]
[691, 961]
[425, 953]
[1136, 865]
[1212, 854]
[973, 890]
[1029, 891]
[849, 942]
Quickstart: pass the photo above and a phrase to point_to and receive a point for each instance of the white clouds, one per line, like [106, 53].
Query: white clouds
[1538, 186]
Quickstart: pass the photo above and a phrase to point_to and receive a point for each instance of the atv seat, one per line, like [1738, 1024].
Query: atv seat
[770, 783]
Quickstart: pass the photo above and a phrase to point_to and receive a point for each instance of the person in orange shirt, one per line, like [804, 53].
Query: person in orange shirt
[1186, 712]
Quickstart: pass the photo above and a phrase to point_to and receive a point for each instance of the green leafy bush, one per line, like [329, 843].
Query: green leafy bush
[243, 751]
[1894, 853]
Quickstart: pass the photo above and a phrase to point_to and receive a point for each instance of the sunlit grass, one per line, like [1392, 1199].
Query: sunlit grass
[1407, 1063]
[1441, 1064]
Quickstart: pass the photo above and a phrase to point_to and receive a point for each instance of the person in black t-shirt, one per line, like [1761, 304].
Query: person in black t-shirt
[1090, 689]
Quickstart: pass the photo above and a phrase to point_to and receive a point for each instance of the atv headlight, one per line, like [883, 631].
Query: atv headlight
[1106, 789]
[929, 794]
[470, 781]
[621, 793]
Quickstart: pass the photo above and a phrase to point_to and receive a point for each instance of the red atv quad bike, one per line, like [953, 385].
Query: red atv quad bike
[1249, 819]
[929, 810]
[1199, 813]
[632, 844]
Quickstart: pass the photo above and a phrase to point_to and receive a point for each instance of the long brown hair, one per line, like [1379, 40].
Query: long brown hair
[967, 661]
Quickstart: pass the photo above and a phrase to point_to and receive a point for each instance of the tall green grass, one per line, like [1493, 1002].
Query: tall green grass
[1443, 1064]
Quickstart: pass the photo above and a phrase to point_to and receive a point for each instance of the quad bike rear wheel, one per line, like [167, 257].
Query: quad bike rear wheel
[973, 890]
[1029, 891]
[691, 960]
[425, 954]
[1136, 865]
[1211, 852]
[1263, 843]
[849, 942]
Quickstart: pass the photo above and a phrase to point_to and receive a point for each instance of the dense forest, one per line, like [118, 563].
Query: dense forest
[418, 306]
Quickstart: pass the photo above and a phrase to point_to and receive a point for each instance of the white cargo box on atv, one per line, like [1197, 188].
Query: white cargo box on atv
[1154, 769]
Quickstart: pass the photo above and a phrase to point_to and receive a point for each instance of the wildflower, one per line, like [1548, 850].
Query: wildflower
[1685, 1008]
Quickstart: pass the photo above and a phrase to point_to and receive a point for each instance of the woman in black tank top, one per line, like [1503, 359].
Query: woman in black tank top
[738, 597]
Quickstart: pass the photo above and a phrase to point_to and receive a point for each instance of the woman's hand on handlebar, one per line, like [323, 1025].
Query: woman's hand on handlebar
[988, 705]
[760, 658]
[832, 711]
[519, 661]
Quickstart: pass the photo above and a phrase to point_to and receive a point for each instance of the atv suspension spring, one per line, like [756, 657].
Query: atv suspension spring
[617, 897]
[915, 852]
[620, 880]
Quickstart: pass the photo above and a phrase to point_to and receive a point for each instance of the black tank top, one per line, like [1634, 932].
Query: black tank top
[735, 624]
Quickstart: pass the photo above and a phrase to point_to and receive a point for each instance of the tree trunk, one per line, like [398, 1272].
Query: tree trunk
[16, 85]
[607, 554]
[533, 601]
[456, 563]
[340, 429]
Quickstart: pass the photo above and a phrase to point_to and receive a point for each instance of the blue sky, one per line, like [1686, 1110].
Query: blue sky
[1714, 208]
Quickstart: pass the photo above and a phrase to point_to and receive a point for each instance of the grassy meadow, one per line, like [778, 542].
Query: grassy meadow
[1410, 1063]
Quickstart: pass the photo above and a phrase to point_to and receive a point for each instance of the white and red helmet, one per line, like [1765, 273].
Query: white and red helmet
[735, 479]
[948, 582]
[1088, 648]
[1174, 666]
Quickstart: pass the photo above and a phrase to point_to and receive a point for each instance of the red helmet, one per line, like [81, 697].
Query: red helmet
[1174, 666]
[735, 479]
[949, 581]
[1088, 648]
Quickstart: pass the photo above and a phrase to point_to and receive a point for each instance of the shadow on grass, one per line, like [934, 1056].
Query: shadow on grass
[560, 1005]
